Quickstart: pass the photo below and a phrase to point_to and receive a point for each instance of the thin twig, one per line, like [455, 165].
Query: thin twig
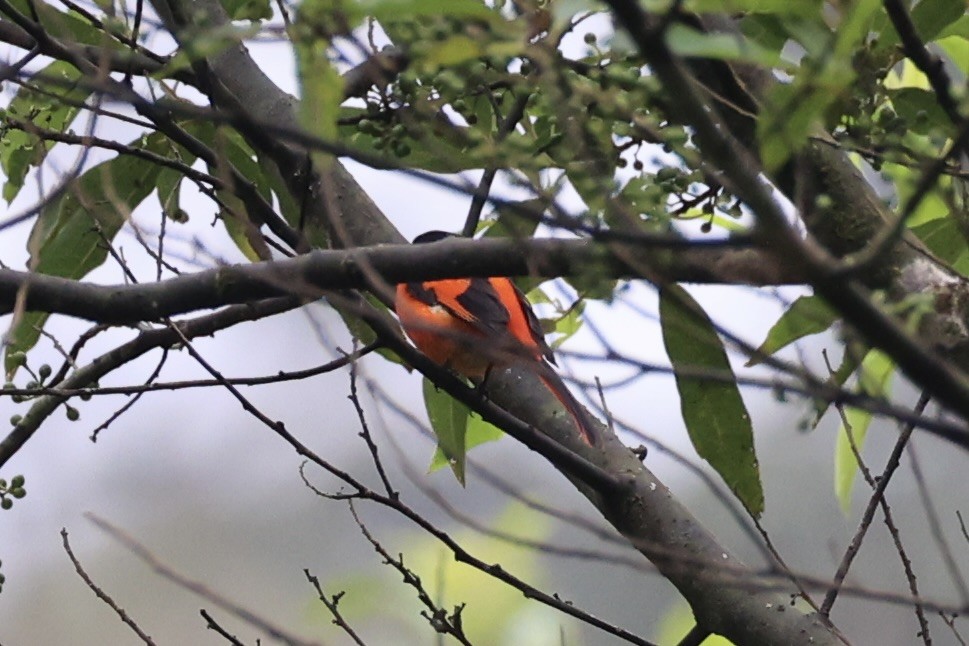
[131, 402]
[212, 624]
[876, 500]
[438, 617]
[935, 525]
[196, 587]
[332, 604]
[101, 594]
[134, 389]
[365, 434]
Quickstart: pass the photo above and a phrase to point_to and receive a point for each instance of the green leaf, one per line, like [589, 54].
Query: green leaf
[248, 9]
[766, 29]
[239, 223]
[69, 236]
[795, 109]
[947, 240]
[234, 151]
[452, 51]
[920, 109]
[568, 324]
[930, 18]
[456, 428]
[48, 109]
[688, 42]
[854, 353]
[168, 190]
[291, 210]
[395, 9]
[67, 25]
[874, 378]
[958, 28]
[854, 27]
[807, 315]
[803, 8]
[956, 49]
[713, 410]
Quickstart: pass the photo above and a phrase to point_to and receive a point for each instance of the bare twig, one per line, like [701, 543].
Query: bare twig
[877, 499]
[131, 402]
[196, 587]
[212, 624]
[332, 604]
[102, 595]
[935, 525]
[438, 618]
[365, 434]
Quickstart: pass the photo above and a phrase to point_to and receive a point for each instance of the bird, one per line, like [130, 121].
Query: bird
[472, 325]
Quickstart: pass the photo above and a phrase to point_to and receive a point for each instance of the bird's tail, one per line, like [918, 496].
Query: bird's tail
[583, 420]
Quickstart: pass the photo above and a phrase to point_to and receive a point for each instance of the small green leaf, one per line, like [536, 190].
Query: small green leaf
[854, 353]
[874, 378]
[456, 428]
[766, 29]
[452, 51]
[289, 207]
[956, 48]
[958, 28]
[568, 324]
[795, 109]
[713, 410]
[169, 193]
[248, 9]
[807, 315]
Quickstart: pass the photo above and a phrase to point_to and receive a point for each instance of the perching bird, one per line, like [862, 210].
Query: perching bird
[473, 324]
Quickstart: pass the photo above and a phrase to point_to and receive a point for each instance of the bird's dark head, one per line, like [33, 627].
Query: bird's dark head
[433, 236]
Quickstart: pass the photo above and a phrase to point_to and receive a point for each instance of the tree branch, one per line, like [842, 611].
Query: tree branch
[307, 275]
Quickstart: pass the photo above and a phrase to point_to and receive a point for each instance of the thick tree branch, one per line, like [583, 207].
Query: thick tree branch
[307, 275]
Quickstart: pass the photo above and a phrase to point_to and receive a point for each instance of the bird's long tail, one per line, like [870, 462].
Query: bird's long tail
[581, 417]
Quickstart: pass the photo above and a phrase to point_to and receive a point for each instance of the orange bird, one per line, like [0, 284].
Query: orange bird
[472, 324]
